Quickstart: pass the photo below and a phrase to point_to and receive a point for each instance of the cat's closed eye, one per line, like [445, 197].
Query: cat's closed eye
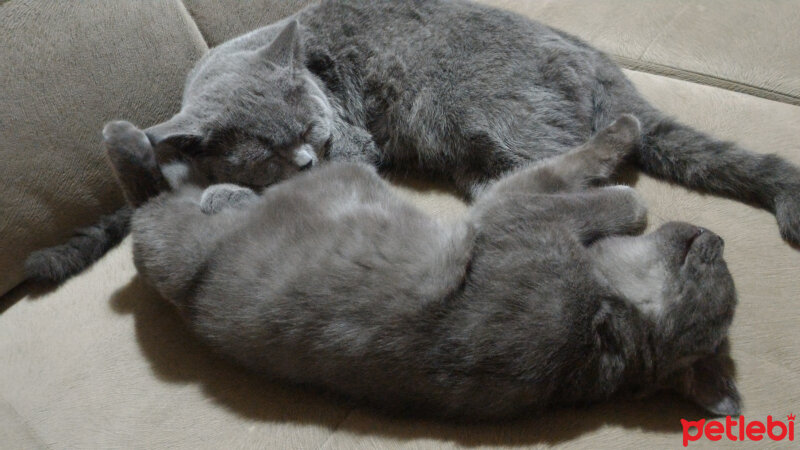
[263, 148]
[308, 132]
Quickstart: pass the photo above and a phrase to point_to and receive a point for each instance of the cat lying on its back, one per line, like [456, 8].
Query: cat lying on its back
[540, 297]
[457, 90]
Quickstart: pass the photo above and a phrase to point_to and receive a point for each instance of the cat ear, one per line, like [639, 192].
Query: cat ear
[709, 382]
[180, 132]
[286, 49]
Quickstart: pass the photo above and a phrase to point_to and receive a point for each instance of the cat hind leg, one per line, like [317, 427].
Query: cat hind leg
[597, 159]
[594, 161]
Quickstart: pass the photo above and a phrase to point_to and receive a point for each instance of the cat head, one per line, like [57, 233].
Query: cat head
[679, 284]
[251, 117]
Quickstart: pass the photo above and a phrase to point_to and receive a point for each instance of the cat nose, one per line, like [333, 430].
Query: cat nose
[304, 157]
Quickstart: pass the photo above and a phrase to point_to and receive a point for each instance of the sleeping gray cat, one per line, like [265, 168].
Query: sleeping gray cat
[542, 296]
[457, 90]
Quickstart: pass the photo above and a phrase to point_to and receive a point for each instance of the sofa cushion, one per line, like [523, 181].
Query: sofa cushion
[68, 67]
[740, 45]
[103, 362]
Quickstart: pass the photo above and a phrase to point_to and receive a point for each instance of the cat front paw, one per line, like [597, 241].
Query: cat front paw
[634, 205]
[605, 151]
[222, 196]
[787, 212]
[627, 128]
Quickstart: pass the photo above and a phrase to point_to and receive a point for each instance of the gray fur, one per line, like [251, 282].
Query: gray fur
[456, 90]
[329, 279]
[222, 196]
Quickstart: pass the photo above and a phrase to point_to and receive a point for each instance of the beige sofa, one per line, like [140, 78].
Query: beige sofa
[102, 362]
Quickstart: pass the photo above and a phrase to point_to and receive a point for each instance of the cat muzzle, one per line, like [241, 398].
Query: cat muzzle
[304, 157]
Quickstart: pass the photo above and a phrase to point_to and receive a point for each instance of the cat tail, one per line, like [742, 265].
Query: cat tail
[133, 159]
[56, 264]
[679, 153]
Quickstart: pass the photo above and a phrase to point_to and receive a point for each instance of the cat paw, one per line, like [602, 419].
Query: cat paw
[627, 129]
[787, 212]
[607, 149]
[222, 196]
[635, 206]
[618, 140]
[127, 144]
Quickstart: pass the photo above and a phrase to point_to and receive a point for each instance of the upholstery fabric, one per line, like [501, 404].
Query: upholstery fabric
[103, 362]
[220, 20]
[14, 432]
[65, 69]
[740, 45]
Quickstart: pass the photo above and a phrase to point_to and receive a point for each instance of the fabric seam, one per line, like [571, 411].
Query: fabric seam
[188, 14]
[705, 79]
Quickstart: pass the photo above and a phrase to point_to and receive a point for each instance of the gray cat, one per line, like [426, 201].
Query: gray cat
[542, 296]
[456, 90]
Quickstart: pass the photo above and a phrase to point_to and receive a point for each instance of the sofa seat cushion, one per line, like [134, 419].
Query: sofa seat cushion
[67, 68]
[103, 362]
